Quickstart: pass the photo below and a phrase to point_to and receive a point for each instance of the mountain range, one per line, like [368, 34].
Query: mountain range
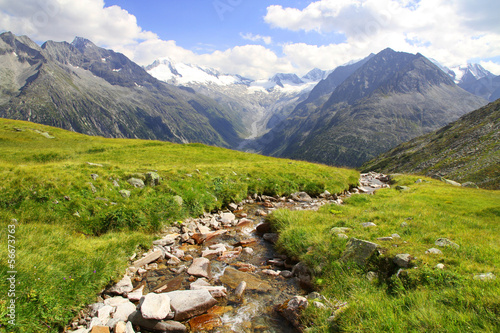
[344, 116]
[87, 89]
[370, 107]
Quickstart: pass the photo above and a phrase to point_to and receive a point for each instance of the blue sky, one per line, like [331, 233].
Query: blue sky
[258, 38]
[206, 26]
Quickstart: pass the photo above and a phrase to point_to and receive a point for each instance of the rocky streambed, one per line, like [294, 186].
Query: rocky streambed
[216, 273]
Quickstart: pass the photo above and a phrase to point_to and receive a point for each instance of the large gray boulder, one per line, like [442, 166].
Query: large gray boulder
[359, 251]
[169, 326]
[190, 303]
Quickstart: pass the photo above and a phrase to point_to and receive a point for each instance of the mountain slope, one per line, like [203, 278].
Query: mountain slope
[391, 98]
[465, 150]
[258, 104]
[90, 90]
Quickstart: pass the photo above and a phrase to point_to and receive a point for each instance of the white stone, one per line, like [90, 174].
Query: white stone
[124, 310]
[136, 294]
[155, 306]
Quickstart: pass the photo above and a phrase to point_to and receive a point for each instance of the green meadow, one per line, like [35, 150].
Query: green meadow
[422, 298]
[74, 233]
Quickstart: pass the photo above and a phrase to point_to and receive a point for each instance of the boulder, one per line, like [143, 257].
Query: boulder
[115, 301]
[292, 310]
[433, 251]
[155, 306]
[100, 329]
[301, 197]
[124, 310]
[136, 295]
[233, 277]
[148, 258]
[227, 218]
[136, 318]
[200, 268]
[152, 179]
[121, 327]
[271, 237]
[359, 251]
[136, 182]
[190, 303]
[123, 286]
[125, 193]
[445, 242]
[403, 260]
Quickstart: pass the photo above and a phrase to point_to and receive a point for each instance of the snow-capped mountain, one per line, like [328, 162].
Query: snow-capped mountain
[475, 79]
[259, 103]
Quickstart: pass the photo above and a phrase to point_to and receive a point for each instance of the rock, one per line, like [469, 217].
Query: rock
[402, 188]
[155, 306]
[395, 236]
[124, 310]
[445, 242]
[93, 308]
[104, 313]
[271, 237]
[246, 242]
[233, 206]
[301, 197]
[450, 182]
[260, 212]
[115, 301]
[115, 183]
[385, 239]
[340, 230]
[304, 275]
[121, 327]
[94, 176]
[439, 266]
[152, 179]
[403, 260]
[233, 277]
[129, 328]
[205, 323]
[292, 309]
[100, 329]
[123, 286]
[368, 224]
[148, 258]
[167, 240]
[170, 285]
[359, 251]
[94, 164]
[485, 277]
[286, 274]
[271, 272]
[342, 236]
[371, 276]
[470, 185]
[433, 251]
[190, 303]
[227, 218]
[263, 228]
[135, 182]
[136, 295]
[200, 268]
[125, 193]
[215, 291]
[178, 200]
[240, 289]
[136, 318]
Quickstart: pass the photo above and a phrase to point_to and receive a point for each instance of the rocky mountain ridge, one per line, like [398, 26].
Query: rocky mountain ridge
[391, 98]
[467, 150]
[87, 89]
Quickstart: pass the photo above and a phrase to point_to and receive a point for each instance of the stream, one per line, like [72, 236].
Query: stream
[238, 247]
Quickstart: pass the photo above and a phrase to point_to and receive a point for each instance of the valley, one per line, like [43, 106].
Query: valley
[352, 199]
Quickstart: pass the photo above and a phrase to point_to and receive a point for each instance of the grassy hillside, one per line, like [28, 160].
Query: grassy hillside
[422, 298]
[75, 233]
[467, 150]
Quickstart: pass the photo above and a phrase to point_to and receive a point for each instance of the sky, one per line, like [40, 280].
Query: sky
[258, 38]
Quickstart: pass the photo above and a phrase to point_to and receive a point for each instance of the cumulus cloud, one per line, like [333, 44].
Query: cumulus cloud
[255, 38]
[450, 31]
[491, 66]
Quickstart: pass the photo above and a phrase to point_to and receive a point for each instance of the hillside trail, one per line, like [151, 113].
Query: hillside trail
[231, 254]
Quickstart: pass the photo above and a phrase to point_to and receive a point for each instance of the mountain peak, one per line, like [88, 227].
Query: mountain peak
[82, 43]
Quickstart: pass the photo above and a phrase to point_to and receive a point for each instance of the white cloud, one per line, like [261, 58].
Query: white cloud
[255, 38]
[491, 66]
[452, 32]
